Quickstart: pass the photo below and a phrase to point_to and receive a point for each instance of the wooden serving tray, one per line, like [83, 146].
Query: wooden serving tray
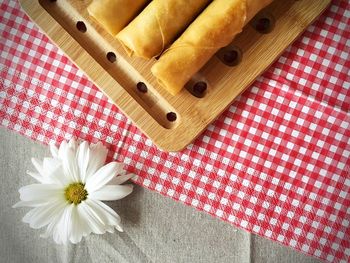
[172, 122]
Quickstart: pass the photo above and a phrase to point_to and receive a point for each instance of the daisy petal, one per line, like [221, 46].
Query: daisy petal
[111, 192]
[97, 158]
[91, 219]
[52, 225]
[49, 230]
[62, 149]
[103, 214]
[76, 227]
[83, 156]
[40, 192]
[121, 178]
[51, 164]
[80, 228]
[102, 176]
[53, 171]
[43, 215]
[70, 167]
[81, 221]
[68, 224]
[38, 166]
[110, 229]
[62, 229]
[49, 171]
[38, 177]
[53, 150]
[86, 230]
[119, 228]
[108, 209]
[35, 203]
[28, 216]
[109, 214]
[73, 144]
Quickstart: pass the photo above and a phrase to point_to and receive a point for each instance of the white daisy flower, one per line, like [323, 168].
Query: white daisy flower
[71, 186]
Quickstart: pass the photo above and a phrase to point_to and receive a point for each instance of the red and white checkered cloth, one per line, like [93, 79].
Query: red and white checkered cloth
[276, 163]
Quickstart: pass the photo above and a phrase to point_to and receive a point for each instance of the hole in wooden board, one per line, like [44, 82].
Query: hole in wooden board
[171, 116]
[81, 26]
[231, 55]
[111, 57]
[197, 87]
[142, 87]
[167, 116]
[264, 23]
[52, 1]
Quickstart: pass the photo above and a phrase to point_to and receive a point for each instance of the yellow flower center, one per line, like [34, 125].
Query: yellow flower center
[75, 193]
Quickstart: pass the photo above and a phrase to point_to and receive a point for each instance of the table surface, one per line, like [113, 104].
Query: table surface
[151, 234]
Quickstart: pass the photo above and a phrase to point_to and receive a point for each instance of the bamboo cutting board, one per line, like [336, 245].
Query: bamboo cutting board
[172, 122]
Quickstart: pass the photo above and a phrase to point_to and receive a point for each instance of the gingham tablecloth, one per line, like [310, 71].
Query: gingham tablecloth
[276, 163]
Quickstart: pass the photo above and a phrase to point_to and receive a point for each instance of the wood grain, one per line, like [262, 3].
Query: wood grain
[149, 110]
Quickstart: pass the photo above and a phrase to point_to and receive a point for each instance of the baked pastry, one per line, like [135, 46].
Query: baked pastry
[213, 29]
[158, 25]
[114, 15]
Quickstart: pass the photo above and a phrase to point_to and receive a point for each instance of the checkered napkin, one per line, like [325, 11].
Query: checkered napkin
[276, 163]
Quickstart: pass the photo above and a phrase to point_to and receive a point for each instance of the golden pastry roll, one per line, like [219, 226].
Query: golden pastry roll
[158, 25]
[213, 29]
[114, 15]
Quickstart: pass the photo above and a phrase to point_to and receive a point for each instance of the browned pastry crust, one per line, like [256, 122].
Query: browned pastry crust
[158, 25]
[213, 29]
[114, 15]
